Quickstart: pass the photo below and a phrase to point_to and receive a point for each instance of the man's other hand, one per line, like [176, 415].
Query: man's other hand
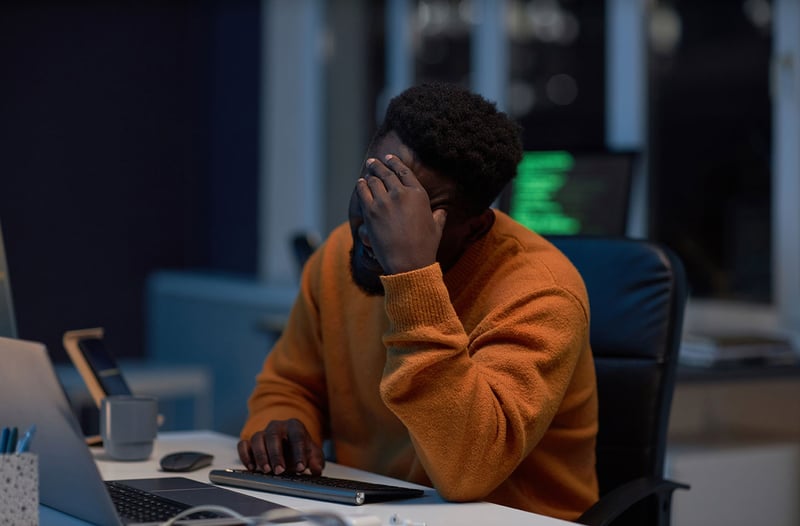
[284, 445]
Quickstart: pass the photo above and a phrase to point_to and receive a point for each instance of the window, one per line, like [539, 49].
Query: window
[710, 144]
[715, 120]
[557, 72]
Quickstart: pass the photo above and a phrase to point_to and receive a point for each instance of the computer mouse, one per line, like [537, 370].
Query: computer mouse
[185, 461]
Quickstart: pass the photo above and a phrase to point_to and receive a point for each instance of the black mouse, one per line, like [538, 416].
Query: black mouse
[185, 461]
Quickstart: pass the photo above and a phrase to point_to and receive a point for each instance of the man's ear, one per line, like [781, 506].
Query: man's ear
[479, 225]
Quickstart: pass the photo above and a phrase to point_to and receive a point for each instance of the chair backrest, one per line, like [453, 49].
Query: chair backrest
[637, 295]
[303, 244]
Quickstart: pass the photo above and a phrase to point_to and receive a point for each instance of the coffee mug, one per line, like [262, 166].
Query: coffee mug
[128, 426]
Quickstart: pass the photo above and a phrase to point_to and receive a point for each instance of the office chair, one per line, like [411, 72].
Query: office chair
[637, 294]
[303, 244]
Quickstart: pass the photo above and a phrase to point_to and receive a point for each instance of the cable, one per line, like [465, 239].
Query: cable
[323, 518]
[396, 520]
[221, 510]
[276, 516]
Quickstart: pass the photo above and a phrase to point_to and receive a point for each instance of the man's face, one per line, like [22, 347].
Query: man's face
[365, 269]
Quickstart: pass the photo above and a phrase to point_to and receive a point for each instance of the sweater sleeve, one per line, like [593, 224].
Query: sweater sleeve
[291, 383]
[477, 404]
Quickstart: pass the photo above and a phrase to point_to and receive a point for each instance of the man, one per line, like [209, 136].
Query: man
[436, 340]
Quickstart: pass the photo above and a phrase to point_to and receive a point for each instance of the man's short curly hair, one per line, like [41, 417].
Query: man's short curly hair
[459, 134]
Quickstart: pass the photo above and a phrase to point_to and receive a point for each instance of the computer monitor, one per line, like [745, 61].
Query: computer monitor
[562, 192]
[8, 322]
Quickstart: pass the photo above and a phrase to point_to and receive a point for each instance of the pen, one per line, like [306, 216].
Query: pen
[25, 441]
[4, 440]
[11, 445]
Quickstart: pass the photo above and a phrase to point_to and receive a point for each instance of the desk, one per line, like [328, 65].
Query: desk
[734, 436]
[429, 509]
[693, 374]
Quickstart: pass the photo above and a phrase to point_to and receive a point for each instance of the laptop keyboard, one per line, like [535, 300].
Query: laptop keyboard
[135, 505]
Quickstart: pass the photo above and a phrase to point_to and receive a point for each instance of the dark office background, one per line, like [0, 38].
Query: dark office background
[711, 146]
[128, 143]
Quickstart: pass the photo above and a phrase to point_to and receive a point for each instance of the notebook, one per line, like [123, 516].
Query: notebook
[69, 480]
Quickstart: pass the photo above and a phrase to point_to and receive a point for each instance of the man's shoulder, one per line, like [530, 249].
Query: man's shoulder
[533, 256]
[522, 242]
[338, 240]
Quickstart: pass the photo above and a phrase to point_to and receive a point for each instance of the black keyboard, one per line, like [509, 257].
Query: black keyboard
[330, 489]
[137, 506]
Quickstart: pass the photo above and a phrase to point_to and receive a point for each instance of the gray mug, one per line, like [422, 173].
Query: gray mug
[128, 426]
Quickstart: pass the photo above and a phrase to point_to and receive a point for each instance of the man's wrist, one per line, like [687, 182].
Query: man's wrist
[416, 295]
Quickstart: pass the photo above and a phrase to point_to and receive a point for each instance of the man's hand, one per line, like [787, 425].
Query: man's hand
[285, 445]
[401, 228]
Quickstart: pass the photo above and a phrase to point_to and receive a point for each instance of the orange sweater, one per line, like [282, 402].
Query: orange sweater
[479, 382]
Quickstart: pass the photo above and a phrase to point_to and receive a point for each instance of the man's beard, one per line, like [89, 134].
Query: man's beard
[368, 282]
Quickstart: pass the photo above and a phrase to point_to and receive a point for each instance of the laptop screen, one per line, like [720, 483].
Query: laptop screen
[8, 322]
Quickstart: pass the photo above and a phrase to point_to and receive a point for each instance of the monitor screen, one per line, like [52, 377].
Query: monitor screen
[567, 193]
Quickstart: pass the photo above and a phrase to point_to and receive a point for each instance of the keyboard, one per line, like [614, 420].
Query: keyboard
[137, 506]
[343, 491]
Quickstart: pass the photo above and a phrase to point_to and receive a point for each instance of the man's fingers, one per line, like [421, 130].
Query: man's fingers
[307, 454]
[316, 459]
[284, 445]
[298, 441]
[246, 455]
[440, 218]
[273, 440]
[258, 452]
[381, 176]
[363, 191]
[377, 186]
[403, 172]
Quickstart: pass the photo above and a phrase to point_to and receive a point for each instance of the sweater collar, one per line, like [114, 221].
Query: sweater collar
[473, 257]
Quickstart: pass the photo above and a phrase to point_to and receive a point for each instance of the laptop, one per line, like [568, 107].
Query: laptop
[8, 322]
[69, 480]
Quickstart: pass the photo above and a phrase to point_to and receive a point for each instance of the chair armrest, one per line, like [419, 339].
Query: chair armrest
[618, 500]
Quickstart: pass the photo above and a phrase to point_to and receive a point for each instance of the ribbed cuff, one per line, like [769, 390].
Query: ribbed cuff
[417, 297]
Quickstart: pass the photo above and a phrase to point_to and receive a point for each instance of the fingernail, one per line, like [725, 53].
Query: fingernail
[279, 470]
[370, 161]
[388, 156]
[300, 467]
[266, 468]
[307, 471]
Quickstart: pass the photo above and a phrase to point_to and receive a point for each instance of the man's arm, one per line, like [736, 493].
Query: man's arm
[476, 406]
[285, 425]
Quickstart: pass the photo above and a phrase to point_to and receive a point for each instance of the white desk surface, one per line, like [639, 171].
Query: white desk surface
[429, 510]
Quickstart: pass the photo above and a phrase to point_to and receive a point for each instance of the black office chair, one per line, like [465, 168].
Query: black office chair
[637, 294]
[303, 244]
